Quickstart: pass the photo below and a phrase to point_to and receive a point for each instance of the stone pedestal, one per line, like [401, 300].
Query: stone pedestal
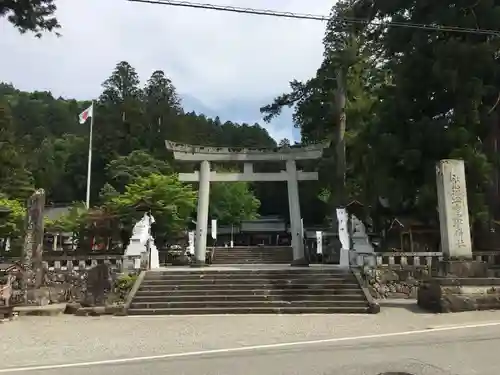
[344, 258]
[453, 209]
[361, 244]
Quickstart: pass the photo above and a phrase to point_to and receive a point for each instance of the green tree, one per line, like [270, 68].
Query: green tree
[107, 193]
[35, 15]
[336, 105]
[120, 113]
[13, 225]
[139, 163]
[130, 119]
[60, 166]
[443, 92]
[233, 202]
[170, 201]
[162, 107]
[15, 180]
[285, 142]
[72, 222]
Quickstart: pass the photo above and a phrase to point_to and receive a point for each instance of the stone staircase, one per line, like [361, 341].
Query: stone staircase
[252, 291]
[253, 255]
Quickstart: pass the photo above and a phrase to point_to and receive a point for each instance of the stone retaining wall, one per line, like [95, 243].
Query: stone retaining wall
[444, 295]
[63, 286]
[386, 282]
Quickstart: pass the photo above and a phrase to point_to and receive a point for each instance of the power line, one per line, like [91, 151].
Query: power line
[227, 8]
[315, 17]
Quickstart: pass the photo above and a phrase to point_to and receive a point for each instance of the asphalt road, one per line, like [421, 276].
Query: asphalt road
[448, 350]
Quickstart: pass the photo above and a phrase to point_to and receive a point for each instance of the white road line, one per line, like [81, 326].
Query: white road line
[483, 324]
[242, 349]
[233, 315]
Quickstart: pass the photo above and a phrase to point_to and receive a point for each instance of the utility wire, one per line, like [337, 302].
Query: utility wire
[315, 17]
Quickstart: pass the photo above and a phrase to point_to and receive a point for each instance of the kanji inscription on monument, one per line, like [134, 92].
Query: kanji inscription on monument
[453, 209]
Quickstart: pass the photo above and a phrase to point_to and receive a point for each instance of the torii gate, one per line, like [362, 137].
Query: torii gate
[204, 176]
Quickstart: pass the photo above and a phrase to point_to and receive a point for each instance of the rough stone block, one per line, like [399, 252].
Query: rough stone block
[72, 308]
[429, 296]
[374, 308]
[458, 303]
[40, 297]
[99, 310]
[456, 295]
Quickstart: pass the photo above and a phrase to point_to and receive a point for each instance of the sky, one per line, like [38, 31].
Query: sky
[223, 64]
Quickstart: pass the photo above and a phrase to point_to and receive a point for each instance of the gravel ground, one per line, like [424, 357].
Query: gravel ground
[61, 339]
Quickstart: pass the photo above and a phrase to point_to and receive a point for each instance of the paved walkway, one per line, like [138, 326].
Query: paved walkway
[62, 339]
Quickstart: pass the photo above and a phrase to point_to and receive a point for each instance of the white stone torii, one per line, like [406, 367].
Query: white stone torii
[204, 176]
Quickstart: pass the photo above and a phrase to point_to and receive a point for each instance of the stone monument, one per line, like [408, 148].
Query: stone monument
[33, 243]
[458, 283]
[205, 155]
[453, 209]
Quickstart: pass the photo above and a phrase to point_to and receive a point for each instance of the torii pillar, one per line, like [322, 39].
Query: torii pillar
[200, 242]
[204, 176]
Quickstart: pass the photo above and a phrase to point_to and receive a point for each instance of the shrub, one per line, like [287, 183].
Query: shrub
[124, 284]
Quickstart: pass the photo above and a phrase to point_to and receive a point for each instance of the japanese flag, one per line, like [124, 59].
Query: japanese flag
[89, 112]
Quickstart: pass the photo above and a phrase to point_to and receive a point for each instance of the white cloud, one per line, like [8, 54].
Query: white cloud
[216, 57]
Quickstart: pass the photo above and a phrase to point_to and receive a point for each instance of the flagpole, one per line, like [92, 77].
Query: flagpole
[89, 167]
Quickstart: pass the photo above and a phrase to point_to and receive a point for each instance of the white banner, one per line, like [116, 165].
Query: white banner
[319, 242]
[191, 242]
[214, 229]
[342, 218]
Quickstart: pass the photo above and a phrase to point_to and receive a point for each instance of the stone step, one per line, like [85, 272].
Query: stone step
[239, 291]
[249, 292]
[239, 259]
[251, 256]
[166, 288]
[248, 276]
[249, 261]
[253, 247]
[251, 251]
[228, 252]
[259, 303]
[259, 282]
[249, 297]
[250, 271]
[253, 310]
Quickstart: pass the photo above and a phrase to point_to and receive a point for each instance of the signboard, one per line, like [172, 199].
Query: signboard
[319, 242]
[191, 242]
[214, 229]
